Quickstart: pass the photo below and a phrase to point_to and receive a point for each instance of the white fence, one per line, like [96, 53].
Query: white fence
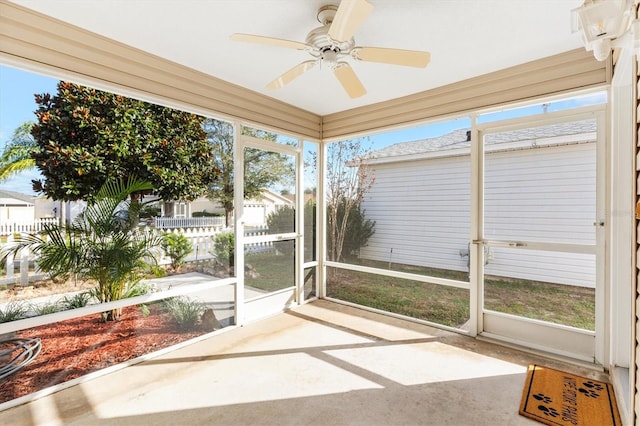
[260, 247]
[26, 265]
[202, 240]
[9, 228]
[189, 222]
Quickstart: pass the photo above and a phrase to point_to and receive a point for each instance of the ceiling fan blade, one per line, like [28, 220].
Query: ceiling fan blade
[407, 58]
[349, 80]
[349, 16]
[279, 42]
[290, 75]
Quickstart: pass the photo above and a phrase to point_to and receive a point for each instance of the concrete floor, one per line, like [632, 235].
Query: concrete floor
[320, 364]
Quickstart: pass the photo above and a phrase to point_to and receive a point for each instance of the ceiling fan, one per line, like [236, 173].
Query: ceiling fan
[333, 41]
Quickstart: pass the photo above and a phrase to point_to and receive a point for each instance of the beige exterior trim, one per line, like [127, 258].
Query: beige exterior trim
[30, 37]
[31, 40]
[568, 71]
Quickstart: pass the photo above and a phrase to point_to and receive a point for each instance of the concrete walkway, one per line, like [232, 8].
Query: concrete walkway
[320, 364]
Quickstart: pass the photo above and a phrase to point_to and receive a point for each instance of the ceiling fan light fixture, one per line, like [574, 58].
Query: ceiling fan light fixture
[330, 58]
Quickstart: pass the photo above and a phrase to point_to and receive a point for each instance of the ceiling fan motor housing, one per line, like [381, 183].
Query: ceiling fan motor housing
[319, 39]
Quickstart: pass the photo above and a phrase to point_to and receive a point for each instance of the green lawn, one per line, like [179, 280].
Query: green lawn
[557, 303]
[439, 304]
[269, 271]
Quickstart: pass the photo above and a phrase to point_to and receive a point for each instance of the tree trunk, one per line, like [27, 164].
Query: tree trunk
[112, 315]
[228, 215]
[169, 208]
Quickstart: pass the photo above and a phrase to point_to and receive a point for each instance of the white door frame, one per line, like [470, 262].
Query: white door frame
[539, 335]
[277, 301]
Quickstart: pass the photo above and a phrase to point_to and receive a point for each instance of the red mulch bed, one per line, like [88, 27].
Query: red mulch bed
[78, 346]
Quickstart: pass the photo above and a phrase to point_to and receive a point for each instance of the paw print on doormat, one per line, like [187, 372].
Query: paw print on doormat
[591, 389]
[548, 411]
[542, 397]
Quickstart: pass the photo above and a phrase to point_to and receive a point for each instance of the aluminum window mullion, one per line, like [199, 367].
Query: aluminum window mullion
[238, 228]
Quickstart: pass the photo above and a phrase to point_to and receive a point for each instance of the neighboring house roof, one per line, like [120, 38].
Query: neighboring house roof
[12, 198]
[562, 133]
[274, 198]
[269, 196]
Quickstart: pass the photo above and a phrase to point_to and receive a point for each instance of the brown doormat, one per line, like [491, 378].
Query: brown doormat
[554, 397]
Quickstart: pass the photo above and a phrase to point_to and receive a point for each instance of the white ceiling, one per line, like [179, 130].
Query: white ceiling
[466, 38]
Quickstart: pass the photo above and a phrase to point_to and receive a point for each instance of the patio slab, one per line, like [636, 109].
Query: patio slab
[321, 363]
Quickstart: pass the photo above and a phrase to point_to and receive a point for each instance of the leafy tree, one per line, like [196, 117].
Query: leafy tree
[86, 137]
[97, 245]
[349, 178]
[263, 169]
[16, 156]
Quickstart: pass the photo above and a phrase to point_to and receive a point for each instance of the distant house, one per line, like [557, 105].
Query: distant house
[256, 210]
[67, 211]
[16, 207]
[421, 202]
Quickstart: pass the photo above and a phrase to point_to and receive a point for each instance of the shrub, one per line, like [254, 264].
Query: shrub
[184, 312]
[205, 213]
[78, 300]
[48, 307]
[177, 247]
[149, 211]
[153, 270]
[283, 220]
[279, 222]
[224, 247]
[358, 231]
[13, 311]
[137, 288]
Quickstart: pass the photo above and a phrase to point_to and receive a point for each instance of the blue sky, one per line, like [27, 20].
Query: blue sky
[17, 105]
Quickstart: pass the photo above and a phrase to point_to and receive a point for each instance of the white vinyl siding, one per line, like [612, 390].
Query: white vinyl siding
[421, 210]
[542, 194]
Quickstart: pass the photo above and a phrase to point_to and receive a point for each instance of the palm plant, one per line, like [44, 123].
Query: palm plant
[16, 156]
[104, 243]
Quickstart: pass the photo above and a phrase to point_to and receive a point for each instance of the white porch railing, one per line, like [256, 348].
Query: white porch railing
[189, 222]
[9, 228]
